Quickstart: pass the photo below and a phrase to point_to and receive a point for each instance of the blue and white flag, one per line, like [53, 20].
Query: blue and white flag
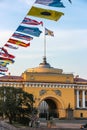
[22, 36]
[53, 3]
[29, 30]
[2, 73]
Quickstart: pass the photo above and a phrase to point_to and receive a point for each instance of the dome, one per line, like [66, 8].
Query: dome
[44, 64]
[44, 67]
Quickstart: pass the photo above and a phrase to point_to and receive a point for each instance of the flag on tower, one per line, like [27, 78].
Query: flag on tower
[49, 32]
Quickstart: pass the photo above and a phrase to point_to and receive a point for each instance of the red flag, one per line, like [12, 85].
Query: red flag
[6, 54]
[10, 46]
[17, 42]
[6, 59]
[4, 69]
[22, 36]
[31, 21]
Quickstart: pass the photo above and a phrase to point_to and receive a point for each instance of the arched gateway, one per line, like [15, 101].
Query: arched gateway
[51, 106]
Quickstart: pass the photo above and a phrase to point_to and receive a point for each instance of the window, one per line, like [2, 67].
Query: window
[81, 114]
[86, 103]
[85, 92]
[80, 103]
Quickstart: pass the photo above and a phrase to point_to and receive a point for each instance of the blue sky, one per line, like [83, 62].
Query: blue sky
[67, 50]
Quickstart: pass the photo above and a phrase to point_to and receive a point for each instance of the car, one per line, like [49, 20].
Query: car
[83, 126]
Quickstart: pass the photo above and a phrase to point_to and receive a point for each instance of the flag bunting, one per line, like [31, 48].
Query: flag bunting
[31, 21]
[22, 36]
[29, 30]
[45, 13]
[10, 46]
[7, 60]
[17, 42]
[53, 3]
[4, 69]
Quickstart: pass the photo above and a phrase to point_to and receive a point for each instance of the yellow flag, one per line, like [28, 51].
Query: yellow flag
[45, 13]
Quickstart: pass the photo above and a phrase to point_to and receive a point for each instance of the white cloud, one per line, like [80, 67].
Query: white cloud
[29, 2]
[70, 39]
[4, 36]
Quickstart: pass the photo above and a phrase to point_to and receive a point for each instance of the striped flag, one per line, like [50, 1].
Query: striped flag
[22, 36]
[7, 60]
[2, 73]
[17, 42]
[53, 3]
[3, 69]
[6, 54]
[10, 46]
[31, 21]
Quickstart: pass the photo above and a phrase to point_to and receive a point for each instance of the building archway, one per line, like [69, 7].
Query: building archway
[51, 107]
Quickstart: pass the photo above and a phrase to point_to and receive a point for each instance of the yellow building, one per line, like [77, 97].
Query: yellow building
[56, 93]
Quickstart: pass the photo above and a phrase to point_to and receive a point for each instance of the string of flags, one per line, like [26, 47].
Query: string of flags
[27, 30]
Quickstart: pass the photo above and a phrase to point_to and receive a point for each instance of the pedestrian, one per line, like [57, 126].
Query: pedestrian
[82, 128]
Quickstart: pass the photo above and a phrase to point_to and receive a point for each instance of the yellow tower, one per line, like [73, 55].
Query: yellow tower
[52, 86]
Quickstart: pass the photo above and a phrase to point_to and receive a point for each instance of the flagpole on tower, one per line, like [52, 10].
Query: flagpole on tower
[49, 33]
[44, 57]
[44, 44]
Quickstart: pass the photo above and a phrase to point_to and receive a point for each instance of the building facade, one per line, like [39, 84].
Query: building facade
[55, 93]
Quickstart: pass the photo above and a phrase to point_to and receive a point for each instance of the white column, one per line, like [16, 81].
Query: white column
[77, 98]
[83, 98]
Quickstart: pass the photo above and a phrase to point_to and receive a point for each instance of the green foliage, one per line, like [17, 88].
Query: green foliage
[15, 104]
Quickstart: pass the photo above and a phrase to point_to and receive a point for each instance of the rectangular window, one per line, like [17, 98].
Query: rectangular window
[86, 103]
[80, 103]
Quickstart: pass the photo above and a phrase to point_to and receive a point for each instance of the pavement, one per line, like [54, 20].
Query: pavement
[75, 124]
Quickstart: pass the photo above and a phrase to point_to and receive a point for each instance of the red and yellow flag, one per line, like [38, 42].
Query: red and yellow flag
[17, 42]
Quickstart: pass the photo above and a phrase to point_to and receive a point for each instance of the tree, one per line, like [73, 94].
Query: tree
[15, 103]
